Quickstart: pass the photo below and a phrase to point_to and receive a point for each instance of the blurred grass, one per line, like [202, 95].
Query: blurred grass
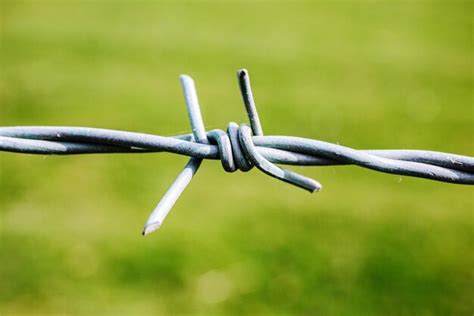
[366, 74]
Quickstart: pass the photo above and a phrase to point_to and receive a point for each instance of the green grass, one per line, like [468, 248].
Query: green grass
[389, 74]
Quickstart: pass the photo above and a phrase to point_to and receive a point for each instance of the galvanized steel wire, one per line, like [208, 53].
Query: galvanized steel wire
[239, 148]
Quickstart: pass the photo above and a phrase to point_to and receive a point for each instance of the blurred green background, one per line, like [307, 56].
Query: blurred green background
[394, 74]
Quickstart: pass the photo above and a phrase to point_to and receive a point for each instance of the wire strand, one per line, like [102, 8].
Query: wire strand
[240, 148]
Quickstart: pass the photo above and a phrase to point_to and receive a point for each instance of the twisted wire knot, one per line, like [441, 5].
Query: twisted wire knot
[231, 152]
[236, 148]
[237, 151]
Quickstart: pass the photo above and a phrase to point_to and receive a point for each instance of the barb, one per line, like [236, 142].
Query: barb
[240, 148]
[184, 178]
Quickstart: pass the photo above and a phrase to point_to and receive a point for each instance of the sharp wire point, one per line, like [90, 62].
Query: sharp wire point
[149, 228]
[240, 148]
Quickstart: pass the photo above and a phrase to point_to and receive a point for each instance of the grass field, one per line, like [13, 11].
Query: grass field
[366, 74]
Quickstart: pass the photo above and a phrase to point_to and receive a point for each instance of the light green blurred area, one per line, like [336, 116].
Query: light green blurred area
[388, 74]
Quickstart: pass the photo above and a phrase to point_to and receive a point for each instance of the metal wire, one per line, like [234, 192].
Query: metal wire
[240, 148]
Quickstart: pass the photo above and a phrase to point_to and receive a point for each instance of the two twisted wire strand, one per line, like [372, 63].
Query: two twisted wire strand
[286, 150]
[240, 148]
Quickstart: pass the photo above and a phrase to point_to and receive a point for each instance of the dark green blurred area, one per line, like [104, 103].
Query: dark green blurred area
[365, 74]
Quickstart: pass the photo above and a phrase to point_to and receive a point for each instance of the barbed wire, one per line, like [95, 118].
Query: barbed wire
[240, 148]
